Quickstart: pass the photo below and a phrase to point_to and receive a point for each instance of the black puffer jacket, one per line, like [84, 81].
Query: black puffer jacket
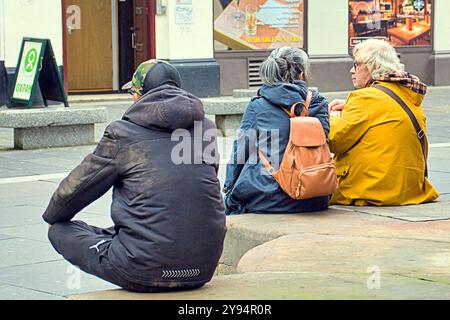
[169, 218]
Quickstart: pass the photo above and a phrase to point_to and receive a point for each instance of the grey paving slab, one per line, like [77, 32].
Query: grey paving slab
[57, 278]
[75, 153]
[425, 212]
[8, 292]
[440, 180]
[437, 139]
[16, 252]
[72, 153]
[37, 194]
[445, 196]
[21, 190]
[20, 216]
[8, 162]
[26, 155]
[437, 98]
[439, 165]
[42, 169]
[38, 232]
[440, 153]
[56, 182]
[65, 165]
[8, 172]
[437, 121]
[5, 237]
[40, 201]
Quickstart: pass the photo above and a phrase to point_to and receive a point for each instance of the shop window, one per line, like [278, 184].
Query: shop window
[258, 24]
[401, 22]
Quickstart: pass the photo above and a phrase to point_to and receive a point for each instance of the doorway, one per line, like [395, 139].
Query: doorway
[89, 45]
[107, 42]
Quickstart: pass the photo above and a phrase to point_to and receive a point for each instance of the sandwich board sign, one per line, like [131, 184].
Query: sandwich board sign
[37, 67]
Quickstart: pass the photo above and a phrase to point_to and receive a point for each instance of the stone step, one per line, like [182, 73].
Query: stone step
[291, 286]
[341, 253]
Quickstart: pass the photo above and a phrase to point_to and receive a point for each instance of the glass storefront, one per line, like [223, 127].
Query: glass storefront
[258, 24]
[401, 22]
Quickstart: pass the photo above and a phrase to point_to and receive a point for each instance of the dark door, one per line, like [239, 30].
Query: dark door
[126, 30]
[141, 34]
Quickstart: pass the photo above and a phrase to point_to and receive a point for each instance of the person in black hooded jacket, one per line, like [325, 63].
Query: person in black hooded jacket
[169, 219]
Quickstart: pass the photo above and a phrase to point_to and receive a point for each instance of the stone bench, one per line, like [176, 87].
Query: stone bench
[53, 126]
[229, 110]
[328, 255]
[249, 93]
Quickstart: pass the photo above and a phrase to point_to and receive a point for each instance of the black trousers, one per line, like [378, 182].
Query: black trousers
[87, 248]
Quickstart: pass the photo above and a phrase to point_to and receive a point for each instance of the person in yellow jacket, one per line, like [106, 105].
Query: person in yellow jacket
[378, 155]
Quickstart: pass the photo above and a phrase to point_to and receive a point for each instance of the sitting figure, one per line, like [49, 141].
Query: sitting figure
[379, 141]
[169, 218]
[265, 129]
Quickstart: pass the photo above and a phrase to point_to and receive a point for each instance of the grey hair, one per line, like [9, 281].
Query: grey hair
[284, 65]
[379, 56]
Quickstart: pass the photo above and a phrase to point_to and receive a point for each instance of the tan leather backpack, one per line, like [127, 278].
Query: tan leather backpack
[307, 169]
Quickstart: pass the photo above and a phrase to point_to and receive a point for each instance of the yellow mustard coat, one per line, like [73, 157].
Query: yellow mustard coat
[378, 156]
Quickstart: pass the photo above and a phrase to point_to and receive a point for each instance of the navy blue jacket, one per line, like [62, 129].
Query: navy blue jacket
[249, 187]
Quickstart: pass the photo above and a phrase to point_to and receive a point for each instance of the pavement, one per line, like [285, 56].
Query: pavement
[411, 244]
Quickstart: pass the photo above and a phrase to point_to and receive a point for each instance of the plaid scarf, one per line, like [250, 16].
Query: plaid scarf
[405, 79]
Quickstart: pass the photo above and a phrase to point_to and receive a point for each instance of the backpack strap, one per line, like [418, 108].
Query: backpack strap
[265, 162]
[305, 105]
[305, 113]
[420, 132]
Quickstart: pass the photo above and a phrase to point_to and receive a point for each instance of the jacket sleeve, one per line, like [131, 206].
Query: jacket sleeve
[348, 129]
[241, 147]
[96, 174]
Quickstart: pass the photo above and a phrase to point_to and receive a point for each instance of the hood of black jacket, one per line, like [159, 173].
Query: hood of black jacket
[166, 108]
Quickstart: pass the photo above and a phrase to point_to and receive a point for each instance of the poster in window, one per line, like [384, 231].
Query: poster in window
[258, 24]
[401, 22]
